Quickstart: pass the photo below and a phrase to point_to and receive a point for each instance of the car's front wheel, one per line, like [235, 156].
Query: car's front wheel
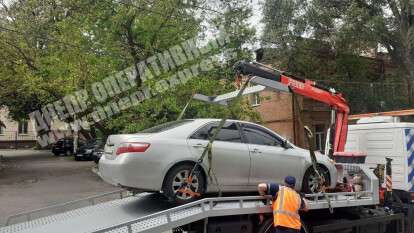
[179, 194]
[311, 180]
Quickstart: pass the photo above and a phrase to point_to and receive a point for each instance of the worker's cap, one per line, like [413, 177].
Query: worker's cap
[290, 180]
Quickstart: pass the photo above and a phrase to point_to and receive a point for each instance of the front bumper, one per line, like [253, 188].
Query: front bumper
[84, 153]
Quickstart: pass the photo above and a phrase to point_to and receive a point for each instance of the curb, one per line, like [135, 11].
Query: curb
[95, 170]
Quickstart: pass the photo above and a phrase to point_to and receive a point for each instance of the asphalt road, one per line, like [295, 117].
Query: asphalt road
[32, 179]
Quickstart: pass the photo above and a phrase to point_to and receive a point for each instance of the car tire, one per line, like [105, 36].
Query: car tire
[77, 158]
[310, 179]
[68, 153]
[178, 174]
[55, 153]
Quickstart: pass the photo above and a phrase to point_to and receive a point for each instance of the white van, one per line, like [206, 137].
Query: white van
[382, 137]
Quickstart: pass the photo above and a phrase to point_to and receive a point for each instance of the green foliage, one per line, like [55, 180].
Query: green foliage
[53, 48]
[218, 80]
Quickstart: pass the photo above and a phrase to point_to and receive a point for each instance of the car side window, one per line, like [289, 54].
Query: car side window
[229, 133]
[259, 136]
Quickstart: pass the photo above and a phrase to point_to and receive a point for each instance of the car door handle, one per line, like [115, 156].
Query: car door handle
[256, 151]
[198, 145]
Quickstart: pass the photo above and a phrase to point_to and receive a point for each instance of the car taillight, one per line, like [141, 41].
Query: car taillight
[130, 147]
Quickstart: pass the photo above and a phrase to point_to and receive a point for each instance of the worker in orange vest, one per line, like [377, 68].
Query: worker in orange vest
[286, 204]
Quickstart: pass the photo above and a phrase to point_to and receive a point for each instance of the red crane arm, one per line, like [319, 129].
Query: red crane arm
[310, 89]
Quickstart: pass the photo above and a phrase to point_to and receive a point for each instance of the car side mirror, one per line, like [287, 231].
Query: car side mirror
[285, 144]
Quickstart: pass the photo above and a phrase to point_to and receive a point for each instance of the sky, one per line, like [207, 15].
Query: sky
[257, 16]
[7, 1]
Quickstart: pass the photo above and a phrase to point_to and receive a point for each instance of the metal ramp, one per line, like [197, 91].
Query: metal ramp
[91, 218]
[149, 213]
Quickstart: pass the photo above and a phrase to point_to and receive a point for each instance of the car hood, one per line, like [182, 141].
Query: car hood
[306, 153]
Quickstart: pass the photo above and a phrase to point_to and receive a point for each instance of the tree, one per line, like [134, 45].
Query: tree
[220, 79]
[52, 48]
[343, 31]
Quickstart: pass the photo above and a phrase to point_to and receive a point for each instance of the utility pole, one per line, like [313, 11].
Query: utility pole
[75, 135]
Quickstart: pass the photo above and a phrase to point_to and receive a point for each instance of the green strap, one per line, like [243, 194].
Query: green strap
[309, 136]
[208, 149]
[185, 108]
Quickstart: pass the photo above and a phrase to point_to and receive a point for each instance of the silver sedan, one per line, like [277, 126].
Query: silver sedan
[243, 155]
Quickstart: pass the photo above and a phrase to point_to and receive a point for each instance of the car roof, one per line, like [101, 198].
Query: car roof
[217, 119]
[206, 120]
[184, 130]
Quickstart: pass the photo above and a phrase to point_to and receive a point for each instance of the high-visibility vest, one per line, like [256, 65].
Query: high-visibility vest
[286, 207]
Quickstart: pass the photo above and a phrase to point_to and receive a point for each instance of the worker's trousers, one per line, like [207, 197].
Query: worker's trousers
[285, 230]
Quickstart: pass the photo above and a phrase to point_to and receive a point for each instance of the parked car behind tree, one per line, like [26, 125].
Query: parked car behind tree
[86, 151]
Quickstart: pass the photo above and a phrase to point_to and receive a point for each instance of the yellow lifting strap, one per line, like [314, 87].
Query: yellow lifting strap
[186, 106]
[208, 149]
[309, 137]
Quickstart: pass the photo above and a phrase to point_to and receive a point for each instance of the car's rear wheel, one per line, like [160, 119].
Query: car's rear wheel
[311, 181]
[175, 177]
[68, 153]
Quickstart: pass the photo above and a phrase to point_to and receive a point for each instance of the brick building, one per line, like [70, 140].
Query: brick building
[280, 113]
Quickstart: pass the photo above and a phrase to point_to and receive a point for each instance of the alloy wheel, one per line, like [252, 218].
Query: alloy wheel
[181, 177]
[314, 181]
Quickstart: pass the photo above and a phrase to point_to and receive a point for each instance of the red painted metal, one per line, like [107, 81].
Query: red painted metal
[308, 88]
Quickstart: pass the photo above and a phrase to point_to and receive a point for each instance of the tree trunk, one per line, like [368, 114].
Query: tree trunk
[410, 80]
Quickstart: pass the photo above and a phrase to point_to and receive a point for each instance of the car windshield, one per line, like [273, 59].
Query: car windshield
[166, 126]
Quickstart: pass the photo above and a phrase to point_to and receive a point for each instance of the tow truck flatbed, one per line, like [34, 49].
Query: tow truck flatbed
[148, 212]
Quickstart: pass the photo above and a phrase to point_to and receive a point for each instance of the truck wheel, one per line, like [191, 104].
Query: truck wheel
[266, 226]
[310, 182]
[175, 177]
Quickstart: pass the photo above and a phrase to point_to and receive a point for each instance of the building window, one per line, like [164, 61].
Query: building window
[320, 137]
[23, 127]
[254, 99]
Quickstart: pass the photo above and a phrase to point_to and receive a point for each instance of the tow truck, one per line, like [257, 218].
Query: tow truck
[358, 210]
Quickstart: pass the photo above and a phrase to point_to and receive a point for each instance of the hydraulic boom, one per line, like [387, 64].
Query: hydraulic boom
[310, 89]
